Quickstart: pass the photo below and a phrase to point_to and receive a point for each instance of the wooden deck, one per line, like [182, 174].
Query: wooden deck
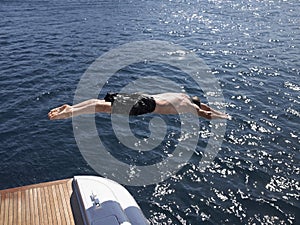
[41, 204]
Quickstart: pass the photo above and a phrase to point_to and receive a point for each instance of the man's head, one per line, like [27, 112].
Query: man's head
[196, 100]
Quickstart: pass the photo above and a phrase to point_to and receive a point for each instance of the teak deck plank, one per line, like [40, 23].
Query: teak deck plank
[40, 204]
[50, 206]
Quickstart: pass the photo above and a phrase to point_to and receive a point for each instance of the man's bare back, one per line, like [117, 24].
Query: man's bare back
[173, 103]
[165, 103]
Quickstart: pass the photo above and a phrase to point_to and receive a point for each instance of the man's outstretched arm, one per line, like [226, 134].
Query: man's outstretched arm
[212, 114]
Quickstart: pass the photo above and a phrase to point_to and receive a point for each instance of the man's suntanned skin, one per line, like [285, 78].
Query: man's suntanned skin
[166, 103]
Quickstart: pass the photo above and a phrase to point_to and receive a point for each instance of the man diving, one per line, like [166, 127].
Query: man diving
[138, 104]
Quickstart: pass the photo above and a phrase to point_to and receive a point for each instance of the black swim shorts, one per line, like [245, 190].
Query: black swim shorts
[132, 104]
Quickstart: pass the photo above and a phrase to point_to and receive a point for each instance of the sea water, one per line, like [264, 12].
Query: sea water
[251, 47]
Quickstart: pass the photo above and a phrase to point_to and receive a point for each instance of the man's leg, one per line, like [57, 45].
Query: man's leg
[87, 107]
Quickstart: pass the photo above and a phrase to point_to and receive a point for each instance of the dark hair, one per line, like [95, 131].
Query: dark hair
[196, 100]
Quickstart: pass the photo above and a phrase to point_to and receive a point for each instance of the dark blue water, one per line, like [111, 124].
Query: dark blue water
[252, 47]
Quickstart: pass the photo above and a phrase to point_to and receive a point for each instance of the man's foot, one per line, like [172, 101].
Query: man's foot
[62, 112]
